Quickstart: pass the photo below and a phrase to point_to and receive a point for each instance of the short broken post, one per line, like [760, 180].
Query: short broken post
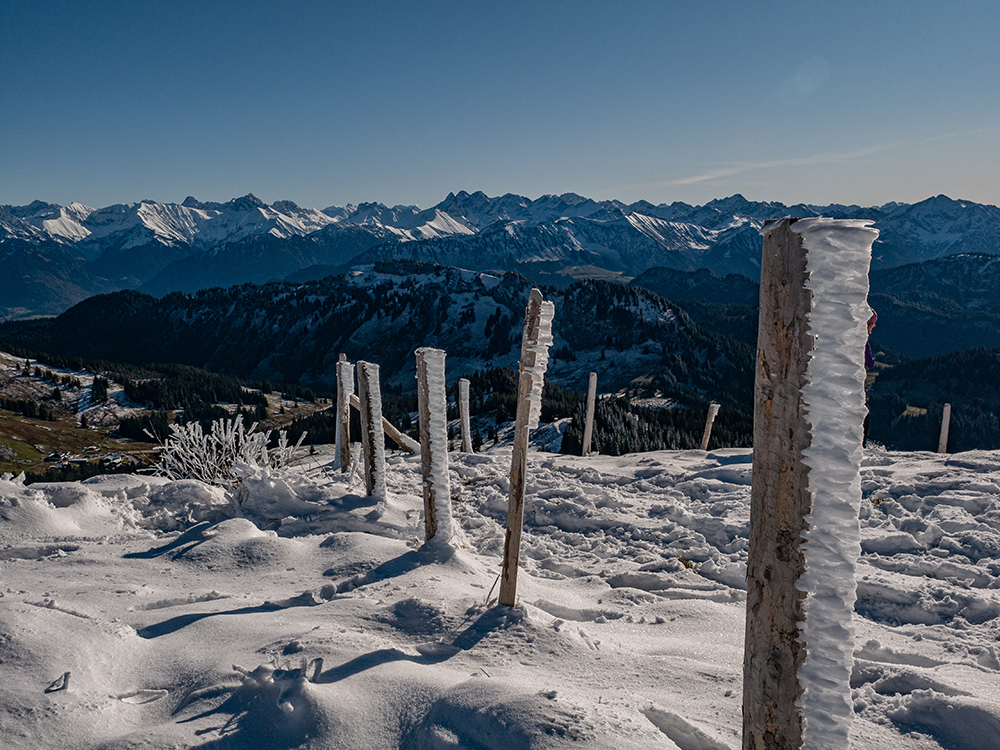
[588, 425]
[945, 426]
[806, 495]
[432, 415]
[535, 341]
[372, 441]
[713, 410]
[345, 389]
[463, 414]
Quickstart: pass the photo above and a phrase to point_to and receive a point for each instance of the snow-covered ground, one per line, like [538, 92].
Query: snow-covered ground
[136, 612]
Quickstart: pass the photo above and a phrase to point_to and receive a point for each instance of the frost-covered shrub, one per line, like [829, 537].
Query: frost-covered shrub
[190, 453]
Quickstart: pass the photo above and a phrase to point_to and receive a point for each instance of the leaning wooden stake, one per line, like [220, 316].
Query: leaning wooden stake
[945, 426]
[432, 410]
[713, 410]
[372, 442]
[535, 341]
[588, 427]
[463, 415]
[806, 494]
[345, 390]
[401, 439]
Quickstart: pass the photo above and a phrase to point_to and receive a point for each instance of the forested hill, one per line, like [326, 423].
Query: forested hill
[907, 402]
[925, 309]
[294, 333]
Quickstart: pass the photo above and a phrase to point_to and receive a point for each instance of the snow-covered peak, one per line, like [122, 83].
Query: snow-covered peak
[248, 202]
[339, 213]
[14, 226]
[58, 222]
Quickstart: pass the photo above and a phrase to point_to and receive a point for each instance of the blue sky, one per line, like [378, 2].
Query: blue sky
[327, 103]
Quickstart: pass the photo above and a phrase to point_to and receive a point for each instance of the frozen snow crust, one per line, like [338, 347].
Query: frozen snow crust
[628, 634]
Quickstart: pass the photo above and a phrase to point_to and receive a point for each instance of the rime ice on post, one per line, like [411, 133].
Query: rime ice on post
[804, 533]
[345, 389]
[372, 441]
[534, 357]
[535, 342]
[463, 414]
[433, 419]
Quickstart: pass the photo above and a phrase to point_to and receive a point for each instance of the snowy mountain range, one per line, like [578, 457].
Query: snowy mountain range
[57, 255]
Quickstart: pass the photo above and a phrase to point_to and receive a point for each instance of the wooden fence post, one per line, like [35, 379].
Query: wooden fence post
[713, 410]
[806, 493]
[463, 414]
[345, 389]
[588, 425]
[535, 341]
[432, 408]
[372, 441]
[945, 426]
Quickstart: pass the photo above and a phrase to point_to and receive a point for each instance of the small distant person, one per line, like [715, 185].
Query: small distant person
[869, 373]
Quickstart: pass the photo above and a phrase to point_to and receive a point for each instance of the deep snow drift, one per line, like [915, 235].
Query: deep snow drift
[136, 612]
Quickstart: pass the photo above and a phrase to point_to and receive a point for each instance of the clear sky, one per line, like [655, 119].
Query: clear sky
[327, 103]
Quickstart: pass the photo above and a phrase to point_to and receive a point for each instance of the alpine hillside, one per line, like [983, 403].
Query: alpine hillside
[294, 333]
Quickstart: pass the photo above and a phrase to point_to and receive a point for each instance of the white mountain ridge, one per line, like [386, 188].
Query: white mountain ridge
[570, 235]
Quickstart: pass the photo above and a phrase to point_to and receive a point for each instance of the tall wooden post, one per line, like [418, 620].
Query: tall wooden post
[345, 389]
[713, 410]
[779, 500]
[945, 426]
[432, 410]
[372, 441]
[588, 425]
[805, 537]
[535, 341]
[463, 414]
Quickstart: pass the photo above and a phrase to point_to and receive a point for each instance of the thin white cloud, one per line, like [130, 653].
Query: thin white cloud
[825, 157]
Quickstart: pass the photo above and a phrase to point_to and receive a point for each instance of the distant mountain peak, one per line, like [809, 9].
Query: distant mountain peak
[247, 203]
[287, 207]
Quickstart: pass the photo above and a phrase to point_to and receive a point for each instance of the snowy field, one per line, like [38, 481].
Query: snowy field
[136, 612]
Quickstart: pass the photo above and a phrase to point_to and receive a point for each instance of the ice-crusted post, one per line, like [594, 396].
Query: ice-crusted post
[588, 425]
[432, 406]
[945, 425]
[345, 389]
[372, 441]
[535, 342]
[463, 414]
[804, 535]
[713, 411]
